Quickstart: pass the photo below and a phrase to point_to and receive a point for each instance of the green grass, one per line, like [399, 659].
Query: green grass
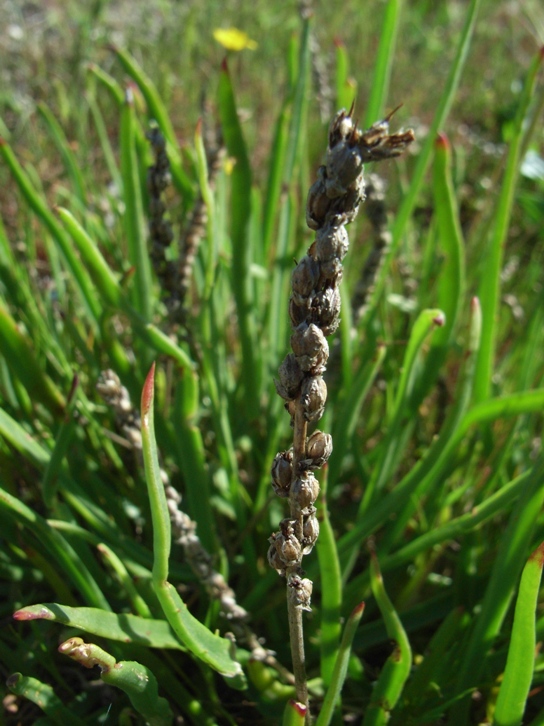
[437, 464]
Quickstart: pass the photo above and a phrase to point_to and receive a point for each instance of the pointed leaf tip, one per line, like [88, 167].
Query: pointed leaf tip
[442, 141]
[225, 66]
[358, 609]
[538, 555]
[300, 708]
[148, 393]
[33, 613]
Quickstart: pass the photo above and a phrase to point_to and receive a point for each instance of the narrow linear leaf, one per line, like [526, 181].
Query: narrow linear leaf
[490, 282]
[520, 664]
[158, 112]
[137, 681]
[125, 628]
[383, 64]
[17, 350]
[135, 229]
[212, 649]
[57, 548]
[424, 157]
[294, 714]
[500, 589]
[340, 667]
[43, 696]
[48, 219]
[396, 670]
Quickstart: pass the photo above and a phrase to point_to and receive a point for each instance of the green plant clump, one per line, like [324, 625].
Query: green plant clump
[156, 295]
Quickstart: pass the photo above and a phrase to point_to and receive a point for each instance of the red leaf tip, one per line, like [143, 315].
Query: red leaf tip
[439, 319]
[442, 141]
[300, 708]
[224, 65]
[538, 555]
[24, 614]
[148, 392]
[358, 609]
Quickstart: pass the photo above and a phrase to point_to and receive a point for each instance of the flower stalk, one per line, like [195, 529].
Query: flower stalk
[314, 309]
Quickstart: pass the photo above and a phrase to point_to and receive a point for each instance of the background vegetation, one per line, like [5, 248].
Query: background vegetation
[437, 433]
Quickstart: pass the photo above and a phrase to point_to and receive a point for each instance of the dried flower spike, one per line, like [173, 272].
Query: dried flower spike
[314, 310]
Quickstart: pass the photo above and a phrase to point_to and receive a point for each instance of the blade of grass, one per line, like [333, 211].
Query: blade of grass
[124, 627]
[158, 112]
[426, 323]
[277, 319]
[135, 228]
[102, 275]
[340, 667]
[348, 415]
[47, 218]
[499, 592]
[520, 664]
[210, 648]
[57, 548]
[331, 590]
[383, 63]
[107, 82]
[425, 471]
[346, 87]
[424, 158]
[192, 459]
[62, 442]
[450, 285]
[241, 180]
[396, 670]
[492, 261]
[294, 714]
[61, 142]
[120, 572]
[23, 362]
[137, 681]
[43, 696]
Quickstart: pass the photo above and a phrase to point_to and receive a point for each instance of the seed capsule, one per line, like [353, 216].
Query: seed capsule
[300, 592]
[310, 531]
[299, 313]
[318, 203]
[291, 376]
[341, 127]
[304, 491]
[344, 165]
[318, 449]
[313, 398]
[282, 473]
[331, 242]
[325, 311]
[310, 348]
[289, 549]
[304, 279]
[274, 559]
[331, 273]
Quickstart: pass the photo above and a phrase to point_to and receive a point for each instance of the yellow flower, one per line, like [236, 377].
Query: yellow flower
[234, 39]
